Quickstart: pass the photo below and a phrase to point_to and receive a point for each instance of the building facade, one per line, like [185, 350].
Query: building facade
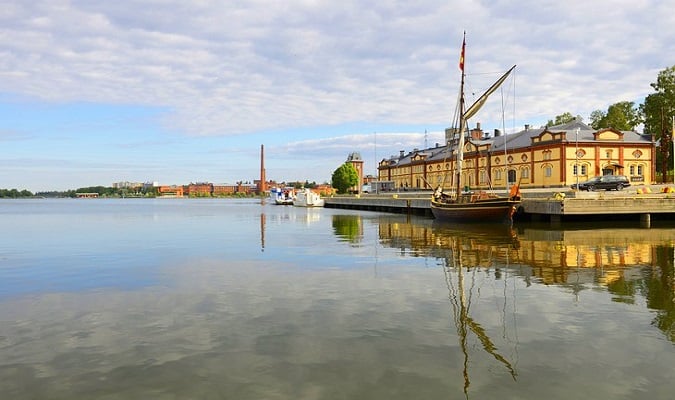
[556, 156]
[357, 162]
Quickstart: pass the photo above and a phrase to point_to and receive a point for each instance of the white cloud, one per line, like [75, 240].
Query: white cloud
[227, 69]
[223, 68]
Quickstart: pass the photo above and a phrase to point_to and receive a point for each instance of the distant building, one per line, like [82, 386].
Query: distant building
[170, 191]
[199, 189]
[356, 161]
[224, 189]
[81, 195]
[127, 185]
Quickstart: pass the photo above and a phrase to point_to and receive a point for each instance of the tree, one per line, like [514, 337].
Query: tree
[623, 116]
[659, 107]
[657, 113]
[562, 119]
[344, 177]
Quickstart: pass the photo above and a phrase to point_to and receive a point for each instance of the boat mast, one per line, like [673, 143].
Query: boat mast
[462, 123]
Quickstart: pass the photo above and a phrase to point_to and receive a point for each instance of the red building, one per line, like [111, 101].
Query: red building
[199, 189]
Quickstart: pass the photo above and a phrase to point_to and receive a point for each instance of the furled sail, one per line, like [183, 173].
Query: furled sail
[471, 111]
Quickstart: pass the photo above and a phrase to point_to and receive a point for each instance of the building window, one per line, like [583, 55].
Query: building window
[575, 170]
[483, 177]
[584, 170]
[498, 175]
[632, 170]
[639, 170]
[548, 172]
[525, 173]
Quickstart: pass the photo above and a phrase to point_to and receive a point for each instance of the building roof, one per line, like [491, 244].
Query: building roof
[586, 134]
[518, 140]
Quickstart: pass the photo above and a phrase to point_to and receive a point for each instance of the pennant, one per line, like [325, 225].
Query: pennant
[461, 56]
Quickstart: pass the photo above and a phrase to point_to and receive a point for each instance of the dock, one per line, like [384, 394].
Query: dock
[548, 205]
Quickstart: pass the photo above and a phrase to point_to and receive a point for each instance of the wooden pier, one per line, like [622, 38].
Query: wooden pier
[552, 206]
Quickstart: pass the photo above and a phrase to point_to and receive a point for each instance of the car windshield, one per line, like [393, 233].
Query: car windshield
[593, 180]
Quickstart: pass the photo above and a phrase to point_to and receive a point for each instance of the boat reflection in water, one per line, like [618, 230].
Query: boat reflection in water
[502, 264]
[627, 261]
[473, 248]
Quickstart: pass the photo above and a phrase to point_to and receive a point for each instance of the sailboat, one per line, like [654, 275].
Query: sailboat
[467, 206]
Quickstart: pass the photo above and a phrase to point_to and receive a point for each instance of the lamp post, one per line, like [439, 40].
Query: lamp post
[576, 155]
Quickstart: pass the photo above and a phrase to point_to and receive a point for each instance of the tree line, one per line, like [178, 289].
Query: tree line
[102, 191]
[656, 114]
[14, 194]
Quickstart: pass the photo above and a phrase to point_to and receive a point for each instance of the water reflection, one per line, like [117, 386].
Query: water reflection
[348, 228]
[466, 245]
[231, 299]
[628, 263]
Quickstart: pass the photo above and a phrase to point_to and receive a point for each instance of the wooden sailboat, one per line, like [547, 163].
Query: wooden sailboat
[466, 206]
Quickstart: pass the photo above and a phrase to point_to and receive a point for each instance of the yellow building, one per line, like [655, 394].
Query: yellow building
[555, 156]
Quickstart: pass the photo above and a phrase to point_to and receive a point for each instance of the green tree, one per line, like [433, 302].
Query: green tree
[344, 177]
[657, 114]
[623, 116]
[562, 119]
[659, 108]
[14, 193]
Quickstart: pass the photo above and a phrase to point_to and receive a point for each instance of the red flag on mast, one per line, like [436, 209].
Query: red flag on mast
[461, 56]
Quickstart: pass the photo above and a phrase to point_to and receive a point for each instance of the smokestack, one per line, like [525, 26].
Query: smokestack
[402, 152]
[263, 179]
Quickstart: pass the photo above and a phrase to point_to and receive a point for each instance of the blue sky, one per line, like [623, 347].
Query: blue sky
[93, 93]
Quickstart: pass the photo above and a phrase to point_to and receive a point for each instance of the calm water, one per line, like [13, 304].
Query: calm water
[231, 299]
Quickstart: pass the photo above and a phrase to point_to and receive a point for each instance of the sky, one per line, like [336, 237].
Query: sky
[168, 91]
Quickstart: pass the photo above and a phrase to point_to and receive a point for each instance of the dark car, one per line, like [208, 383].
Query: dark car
[606, 182]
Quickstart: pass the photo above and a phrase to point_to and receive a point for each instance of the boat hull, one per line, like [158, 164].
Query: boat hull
[480, 211]
[284, 202]
[282, 197]
[308, 198]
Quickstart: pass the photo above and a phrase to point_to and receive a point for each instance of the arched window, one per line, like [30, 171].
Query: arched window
[525, 172]
[483, 176]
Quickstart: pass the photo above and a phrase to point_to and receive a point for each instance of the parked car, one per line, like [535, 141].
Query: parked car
[606, 182]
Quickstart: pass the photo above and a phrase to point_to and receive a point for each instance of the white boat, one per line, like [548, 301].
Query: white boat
[307, 198]
[282, 196]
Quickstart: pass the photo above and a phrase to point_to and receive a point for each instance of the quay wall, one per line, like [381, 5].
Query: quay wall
[551, 206]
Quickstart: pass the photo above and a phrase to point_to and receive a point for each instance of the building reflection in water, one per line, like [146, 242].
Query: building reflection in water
[630, 263]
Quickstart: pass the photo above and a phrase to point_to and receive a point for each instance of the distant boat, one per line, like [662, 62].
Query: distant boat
[307, 198]
[282, 196]
[467, 206]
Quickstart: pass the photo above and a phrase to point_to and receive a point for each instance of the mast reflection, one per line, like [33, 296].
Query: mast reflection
[474, 240]
[629, 263]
